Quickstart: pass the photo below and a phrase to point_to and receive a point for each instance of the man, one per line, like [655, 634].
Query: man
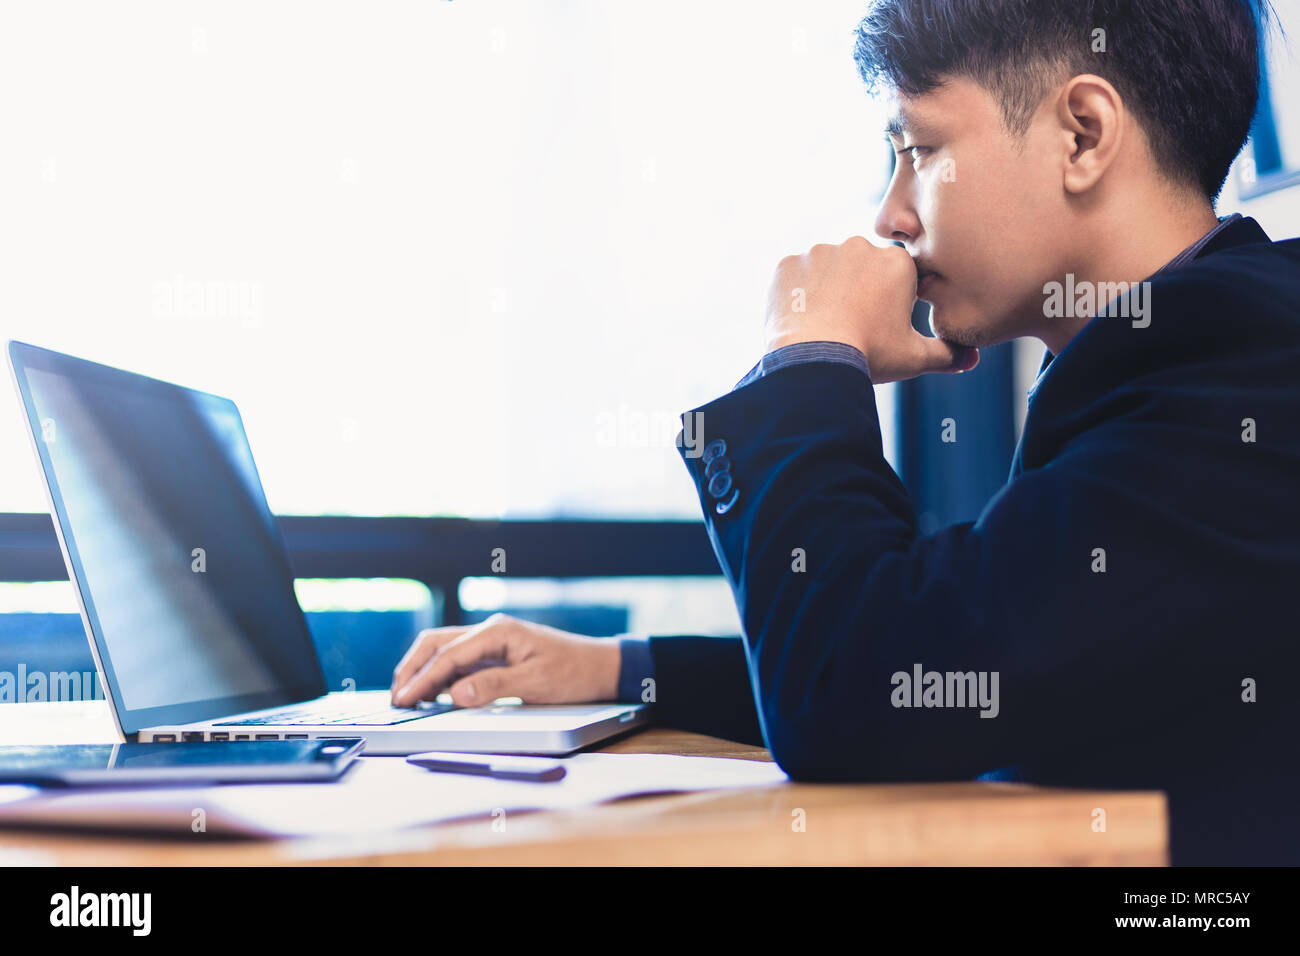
[1120, 614]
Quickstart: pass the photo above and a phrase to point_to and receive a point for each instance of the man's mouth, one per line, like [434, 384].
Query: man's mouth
[925, 279]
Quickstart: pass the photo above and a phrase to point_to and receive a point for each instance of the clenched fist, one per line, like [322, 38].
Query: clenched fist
[859, 294]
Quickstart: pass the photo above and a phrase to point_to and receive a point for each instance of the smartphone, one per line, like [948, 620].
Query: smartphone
[139, 764]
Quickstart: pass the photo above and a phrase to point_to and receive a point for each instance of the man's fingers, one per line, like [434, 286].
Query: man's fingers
[489, 641]
[486, 685]
[427, 643]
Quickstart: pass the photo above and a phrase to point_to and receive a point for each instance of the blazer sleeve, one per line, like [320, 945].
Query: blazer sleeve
[1070, 591]
[702, 684]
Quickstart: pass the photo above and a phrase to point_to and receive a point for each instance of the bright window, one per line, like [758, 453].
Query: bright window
[449, 258]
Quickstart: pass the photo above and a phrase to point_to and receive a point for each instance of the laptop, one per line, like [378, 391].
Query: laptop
[185, 587]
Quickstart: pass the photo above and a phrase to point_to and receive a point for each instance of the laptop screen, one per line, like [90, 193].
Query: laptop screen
[179, 563]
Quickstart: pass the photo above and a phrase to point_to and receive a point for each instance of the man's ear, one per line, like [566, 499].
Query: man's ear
[1092, 118]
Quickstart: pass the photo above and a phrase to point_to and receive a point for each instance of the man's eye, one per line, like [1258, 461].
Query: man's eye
[916, 151]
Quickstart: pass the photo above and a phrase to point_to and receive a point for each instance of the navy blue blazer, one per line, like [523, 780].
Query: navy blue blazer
[1132, 588]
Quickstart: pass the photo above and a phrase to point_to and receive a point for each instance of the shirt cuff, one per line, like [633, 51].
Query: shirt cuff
[635, 665]
[803, 352]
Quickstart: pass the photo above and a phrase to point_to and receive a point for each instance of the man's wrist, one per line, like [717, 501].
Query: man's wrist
[636, 665]
[776, 343]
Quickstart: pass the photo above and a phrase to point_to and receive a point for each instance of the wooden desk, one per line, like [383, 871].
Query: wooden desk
[850, 824]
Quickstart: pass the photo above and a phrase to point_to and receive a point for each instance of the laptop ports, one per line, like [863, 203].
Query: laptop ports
[163, 739]
[218, 736]
[190, 736]
[266, 737]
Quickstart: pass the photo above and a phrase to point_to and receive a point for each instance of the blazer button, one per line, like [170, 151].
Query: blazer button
[722, 507]
[719, 464]
[720, 484]
[713, 449]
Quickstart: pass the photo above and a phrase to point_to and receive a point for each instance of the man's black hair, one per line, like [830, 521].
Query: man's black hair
[1187, 69]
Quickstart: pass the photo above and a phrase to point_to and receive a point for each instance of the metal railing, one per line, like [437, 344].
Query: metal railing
[437, 552]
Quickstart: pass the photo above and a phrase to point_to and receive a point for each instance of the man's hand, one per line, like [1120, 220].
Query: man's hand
[506, 657]
[862, 295]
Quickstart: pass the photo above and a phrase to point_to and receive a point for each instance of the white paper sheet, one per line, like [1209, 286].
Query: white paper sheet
[379, 794]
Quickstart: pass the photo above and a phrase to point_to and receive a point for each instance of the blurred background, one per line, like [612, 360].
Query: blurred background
[461, 262]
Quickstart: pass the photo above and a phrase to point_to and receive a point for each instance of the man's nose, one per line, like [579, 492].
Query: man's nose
[896, 220]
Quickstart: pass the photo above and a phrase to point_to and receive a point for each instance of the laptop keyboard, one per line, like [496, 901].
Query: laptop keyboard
[362, 718]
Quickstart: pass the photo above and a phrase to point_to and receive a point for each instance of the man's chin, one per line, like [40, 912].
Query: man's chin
[958, 331]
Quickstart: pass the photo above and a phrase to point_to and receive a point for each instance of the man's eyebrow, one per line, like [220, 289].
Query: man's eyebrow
[901, 122]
